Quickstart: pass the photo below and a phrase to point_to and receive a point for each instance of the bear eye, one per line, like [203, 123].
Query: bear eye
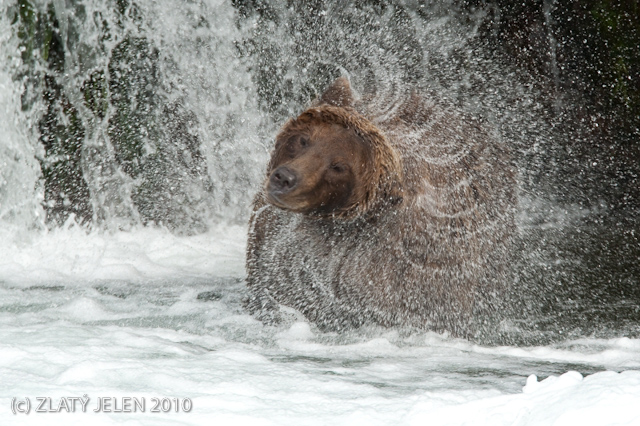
[295, 144]
[337, 167]
[291, 147]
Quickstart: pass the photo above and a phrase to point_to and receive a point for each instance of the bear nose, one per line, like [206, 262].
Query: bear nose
[283, 179]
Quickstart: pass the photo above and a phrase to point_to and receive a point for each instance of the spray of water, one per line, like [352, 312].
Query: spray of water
[144, 114]
[126, 113]
[20, 185]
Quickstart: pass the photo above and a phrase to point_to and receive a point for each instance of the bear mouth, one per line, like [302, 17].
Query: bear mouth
[273, 198]
[279, 199]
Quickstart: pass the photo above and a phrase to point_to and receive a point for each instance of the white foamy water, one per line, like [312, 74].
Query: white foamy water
[118, 315]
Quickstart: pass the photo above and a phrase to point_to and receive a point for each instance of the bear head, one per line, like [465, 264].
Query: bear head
[333, 162]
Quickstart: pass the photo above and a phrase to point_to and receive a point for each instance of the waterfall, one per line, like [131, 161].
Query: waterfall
[20, 185]
[129, 113]
[137, 113]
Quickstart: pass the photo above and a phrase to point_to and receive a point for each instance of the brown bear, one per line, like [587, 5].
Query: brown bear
[375, 213]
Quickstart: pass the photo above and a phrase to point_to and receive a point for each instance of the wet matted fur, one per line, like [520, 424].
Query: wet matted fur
[411, 228]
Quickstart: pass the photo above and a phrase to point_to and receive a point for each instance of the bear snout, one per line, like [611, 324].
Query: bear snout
[282, 180]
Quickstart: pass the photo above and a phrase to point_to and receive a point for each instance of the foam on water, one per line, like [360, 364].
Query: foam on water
[70, 255]
[149, 314]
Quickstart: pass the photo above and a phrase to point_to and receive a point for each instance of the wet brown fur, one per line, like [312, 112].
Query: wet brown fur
[381, 178]
[423, 237]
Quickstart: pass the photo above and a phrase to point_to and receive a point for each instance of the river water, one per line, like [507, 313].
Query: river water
[126, 280]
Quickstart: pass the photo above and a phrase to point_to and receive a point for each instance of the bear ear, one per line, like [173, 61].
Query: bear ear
[337, 94]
